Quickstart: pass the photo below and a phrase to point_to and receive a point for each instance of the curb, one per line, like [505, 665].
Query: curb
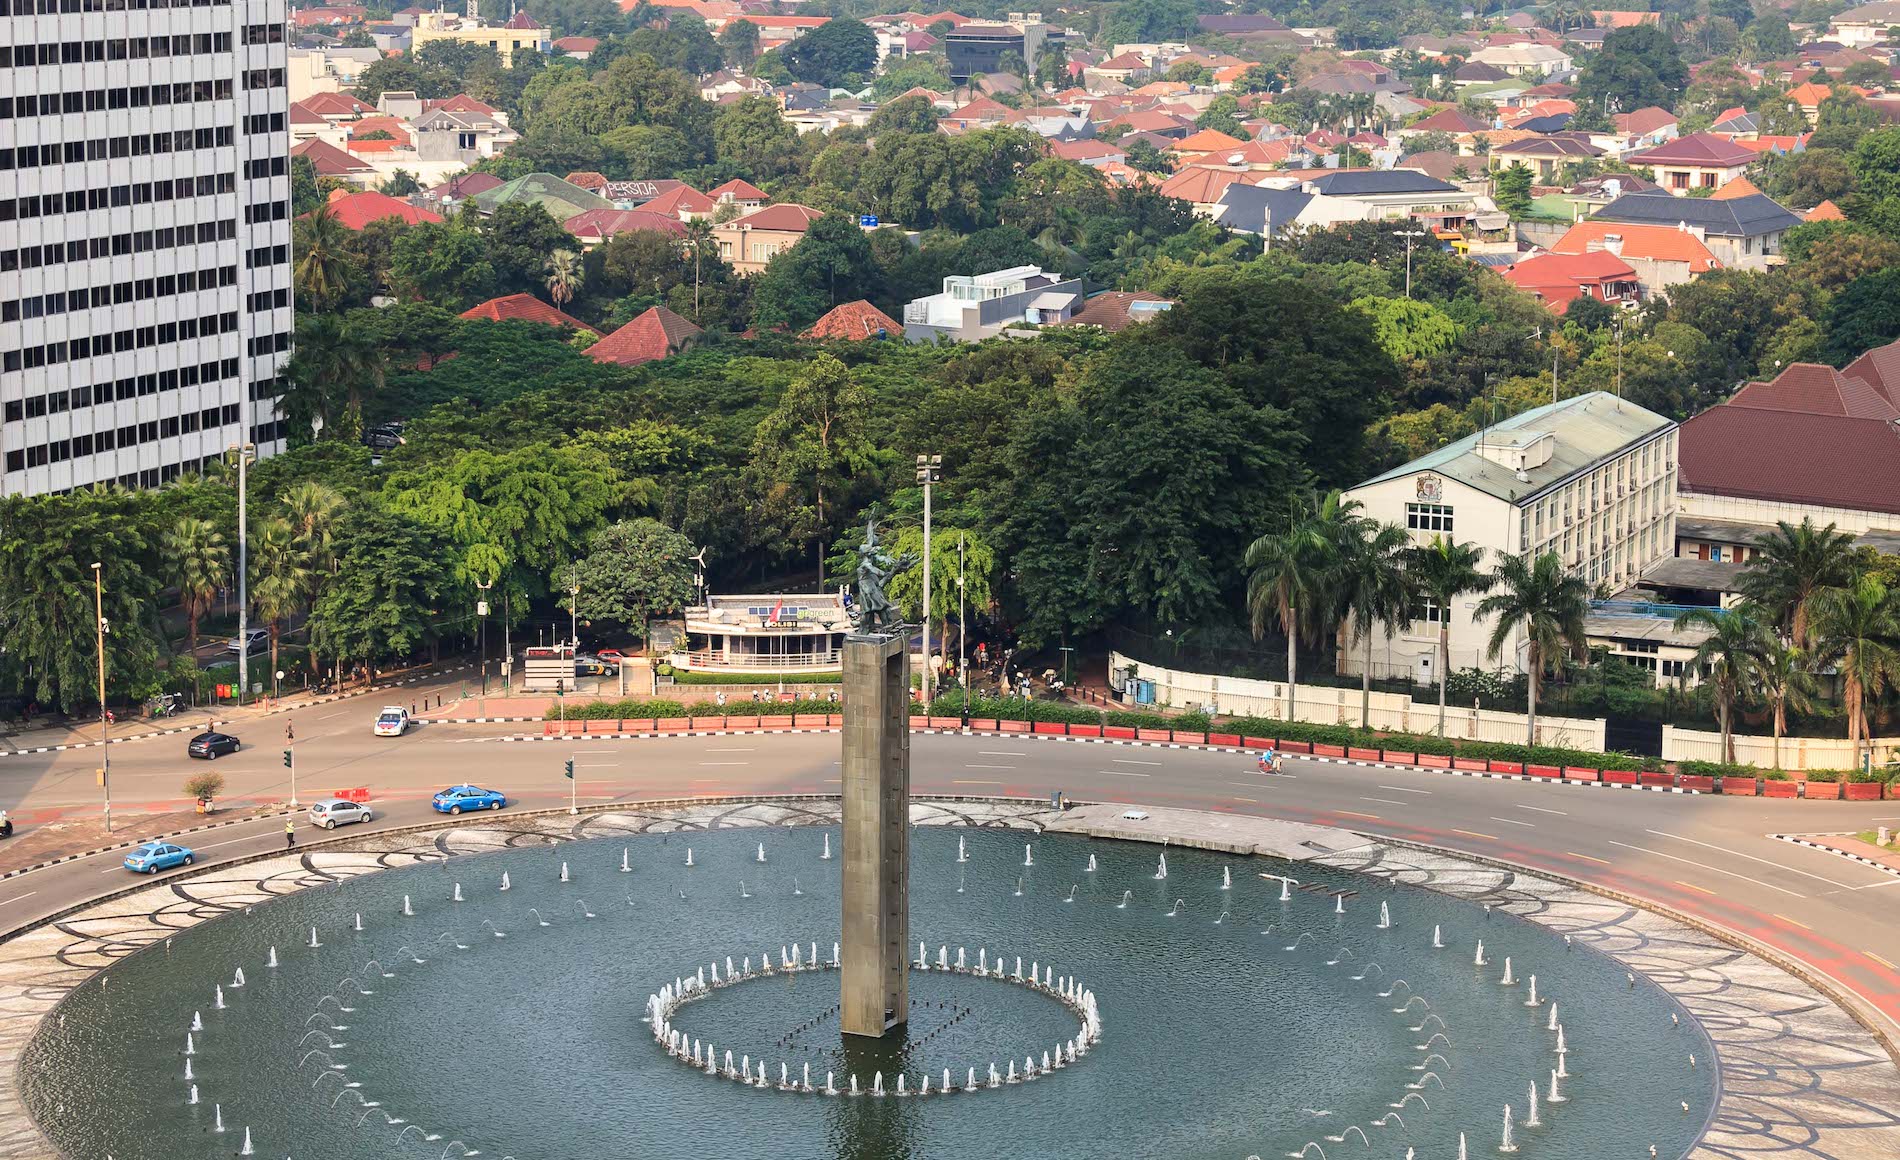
[211, 724]
[141, 841]
[1801, 840]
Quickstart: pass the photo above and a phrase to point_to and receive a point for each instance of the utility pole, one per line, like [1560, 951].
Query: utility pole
[1411, 238]
[105, 727]
[929, 471]
[574, 609]
[507, 650]
[1619, 360]
[244, 452]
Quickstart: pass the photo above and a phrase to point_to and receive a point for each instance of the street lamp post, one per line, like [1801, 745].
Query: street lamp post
[963, 637]
[1411, 238]
[105, 727]
[929, 471]
[481, 633]
[244, 452]
[573, 610]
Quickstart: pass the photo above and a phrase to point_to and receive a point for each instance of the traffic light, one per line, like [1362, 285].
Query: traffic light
[286, 759]
[570, 767]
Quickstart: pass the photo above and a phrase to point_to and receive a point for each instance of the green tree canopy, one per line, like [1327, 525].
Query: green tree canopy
[835, 53]
[634, 570]
[1637, 66]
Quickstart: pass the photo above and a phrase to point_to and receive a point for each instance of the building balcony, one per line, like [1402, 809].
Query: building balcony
[764, 664]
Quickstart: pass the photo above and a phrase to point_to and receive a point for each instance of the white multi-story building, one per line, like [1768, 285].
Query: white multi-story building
[1591, 478]
[145, 301]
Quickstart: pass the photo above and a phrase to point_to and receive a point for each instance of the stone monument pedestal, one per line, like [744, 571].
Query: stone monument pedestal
[876, 791]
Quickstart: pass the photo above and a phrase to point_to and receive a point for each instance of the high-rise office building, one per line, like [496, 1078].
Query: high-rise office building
[145, 300]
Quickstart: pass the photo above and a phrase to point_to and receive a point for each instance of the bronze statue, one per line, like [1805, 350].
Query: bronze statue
[873, 611]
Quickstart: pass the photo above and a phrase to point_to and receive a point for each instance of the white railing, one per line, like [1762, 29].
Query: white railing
[713, 660]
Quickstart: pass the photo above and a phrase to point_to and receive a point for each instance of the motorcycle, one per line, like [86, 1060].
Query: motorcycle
[6, 827]
[164, 705]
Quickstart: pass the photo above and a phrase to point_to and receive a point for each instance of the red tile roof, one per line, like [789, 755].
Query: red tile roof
[608, 223]
[1740, 187]
[1126, 62]
[1651, 243]
[1449, 121]
[1112, 310]
[1827, 211]
[335, 105]
[1085, 150]
[683, 199]
[1793, 457]
[855, 321]
[654, 335]
[572, 44]
[587, 179]
[1705, 149]
[526, 308]
[1199, 184]
[1879, 368]
[1644, 121]
[328, 159]
[521, 19]
[461, 103]
[739, 188]
[1207, 141]
[1559, 279]
[357, 210]
[1816, 390]
[790, 218]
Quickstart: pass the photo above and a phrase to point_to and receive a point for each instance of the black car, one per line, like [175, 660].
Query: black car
[210, 745]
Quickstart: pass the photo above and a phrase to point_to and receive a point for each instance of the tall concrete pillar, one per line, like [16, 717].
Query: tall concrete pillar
[876, 785]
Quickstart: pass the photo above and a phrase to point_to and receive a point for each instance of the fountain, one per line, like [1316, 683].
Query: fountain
[1385, 917]
[1161, 871]
[1019, 886]
[193, 1099]
[407, 910]
[237, 980]
[564, 876]
[1551, 1023]
[689, 855]
[1555, 1096]
[270, 959]
[218, 1003]
[1071, 897]
[963, 854]
[504, 879]
[962, 879]
[1029, 854]
[1479, 959]
[314, 944]
[190, 1047]
[1561, 1048]
[1123, 904]
[1339, 904]
[1177, 908]
[1226, 878]
[626, 867]
[458, 892]
[761, 854]
[217, 1117]
[1531, 1000]
[1508, 980]
[1509, 1144]
[247, 1150]
[1531, 1120]
[826, 856]
[1438, 938]
[1091, 868]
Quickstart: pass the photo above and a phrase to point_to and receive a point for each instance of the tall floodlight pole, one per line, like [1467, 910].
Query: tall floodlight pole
[963, 637]
[244, 452]
[105, 726]
[1411, 238]
[481, 633]
[929, 471]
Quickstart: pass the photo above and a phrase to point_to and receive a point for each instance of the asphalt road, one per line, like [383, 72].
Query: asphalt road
[1706, 856]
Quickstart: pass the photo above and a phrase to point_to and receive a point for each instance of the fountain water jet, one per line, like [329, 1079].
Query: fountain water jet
[1123, 904]
[826, 856]
[1091, 869]
[407, 910]
[1438, 939]
[963, 855]
[1555, 1096]
[1226, 878]
[218, 1002]
[626, 867]
[1532, 1000]
[237, 980]
[1161, 870]
[505, 884]
[1029, 854]
[458, 892]
[1508, 980]
[1385, 917]
[761, 854]
[1532, 1121]
[1509, 1143]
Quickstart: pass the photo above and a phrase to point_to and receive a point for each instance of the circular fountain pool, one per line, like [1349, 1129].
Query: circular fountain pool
[1235, 1022]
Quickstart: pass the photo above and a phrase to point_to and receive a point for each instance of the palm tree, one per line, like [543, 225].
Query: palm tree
[565, 275]
[1291, 574]
[323, 266]
[1790, 565]
[1859, 632]
[334, 367]
[312, 510]
[1783, 675]
[200, 564]
[280, 577]
[699, 235]
[1373, 588]
[1547, 604]
[1444, 570]
[1728, 656]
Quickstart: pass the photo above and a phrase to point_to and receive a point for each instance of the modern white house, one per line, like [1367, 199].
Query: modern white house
[145, 301]
[1591, 478]
[767, 633]
[971, 309]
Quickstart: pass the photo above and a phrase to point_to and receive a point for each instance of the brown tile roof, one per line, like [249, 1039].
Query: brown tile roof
[739, 188]
[1652, 243]
[1111, 309]
[328, 159]
[654, 335]
[1816, 390]
[1199, 184]
[1793, 457]
[1707, 149]
[1207, 141]
[679, 200]
[607, 223]
[1827, 211]
[1879, 368]
[855, 322]
[1740, 187]
[789, 217]
[525, 308]
[357, 210]
[1644, 121]
[335, 105]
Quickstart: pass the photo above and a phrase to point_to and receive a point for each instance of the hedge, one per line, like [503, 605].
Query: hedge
[1017, 709]
[646, 710]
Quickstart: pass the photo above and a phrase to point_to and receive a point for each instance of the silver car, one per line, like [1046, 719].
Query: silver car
[335, 812]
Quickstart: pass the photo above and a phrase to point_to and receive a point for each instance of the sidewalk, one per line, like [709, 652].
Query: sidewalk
[1854, 848]
[51, 840]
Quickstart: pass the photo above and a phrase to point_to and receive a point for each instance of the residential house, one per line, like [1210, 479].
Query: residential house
[749, 242]
[1115, 310]
[1638, 130]
[683, 202]
[577, 48]
[1477, 73]
[1545, 157]
[973, 308]
[1557, 280]
[1090, 152]
[1662, 256]
[329, 161]
[1129, 69]
[357, 210]
[1450, 120]
[1200, 186]
[1524, 60]
[1865, 25]
[1744, 232]
[561, 200]
[460, 188]
[652, 336]
[855, 322]
[310, 71]
[518, 34]
[738, 192]
[1389, 195]
[599, 226]
[1697, 161]
[525, 308]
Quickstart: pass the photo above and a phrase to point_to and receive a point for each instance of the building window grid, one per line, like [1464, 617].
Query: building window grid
[1428, 517]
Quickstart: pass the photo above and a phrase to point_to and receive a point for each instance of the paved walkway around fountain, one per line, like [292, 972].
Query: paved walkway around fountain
[1798, 1073]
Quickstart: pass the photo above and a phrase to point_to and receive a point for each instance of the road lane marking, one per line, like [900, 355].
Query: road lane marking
[746, 749]
[1353, 814]
[1588, 858]
[989, 767]
[1869, 954]
[1542, 810]
[1802, 925]
[600, 765]
[1877, 885]
[1249, 801]
[1256, 785]
[1133, 761]
[1382, 801]
[967, 782]
[1750, 857]
[31, 893]
[1475, 834]
[725, 763]
[1403, 789]
[999, 753]
[598, 752]
[1123, 773]
[1705, 866]
[1693, 886]
[328, 716]
[1515, 822]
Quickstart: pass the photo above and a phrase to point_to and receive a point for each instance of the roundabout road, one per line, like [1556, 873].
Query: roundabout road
[1706, 857]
